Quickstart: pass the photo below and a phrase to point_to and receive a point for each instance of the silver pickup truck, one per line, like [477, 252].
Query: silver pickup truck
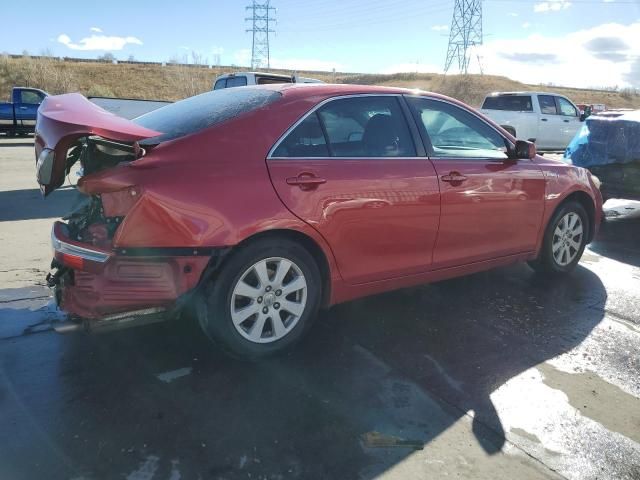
[548, 119]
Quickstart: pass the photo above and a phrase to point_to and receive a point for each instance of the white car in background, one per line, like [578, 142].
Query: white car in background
[241, 79]
[548, 119]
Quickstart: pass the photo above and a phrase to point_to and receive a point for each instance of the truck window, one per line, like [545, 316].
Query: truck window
[547, 104]
[513, 103]
[565, 107]
[236, 82]
[220, 84]
[270, 80]
[29, 96]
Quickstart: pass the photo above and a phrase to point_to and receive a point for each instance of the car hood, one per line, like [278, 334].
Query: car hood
[62, 119]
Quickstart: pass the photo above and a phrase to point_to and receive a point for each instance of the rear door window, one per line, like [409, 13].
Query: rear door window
[270, 80]
[203, 111]
[513, 103]
[306, 140]
[369, 126]
[547, 104]
[236, 82]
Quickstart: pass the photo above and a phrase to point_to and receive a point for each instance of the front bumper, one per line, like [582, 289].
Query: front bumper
[94, 283]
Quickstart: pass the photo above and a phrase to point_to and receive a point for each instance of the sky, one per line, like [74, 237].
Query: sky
[583, 43]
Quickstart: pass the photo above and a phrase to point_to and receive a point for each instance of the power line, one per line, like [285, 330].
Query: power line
[465, 34]
[260, 28]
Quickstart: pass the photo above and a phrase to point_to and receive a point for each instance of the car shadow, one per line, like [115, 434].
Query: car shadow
[407, 365]
[619, 234]
[29, 204]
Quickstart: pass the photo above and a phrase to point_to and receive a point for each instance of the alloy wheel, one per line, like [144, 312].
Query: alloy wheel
[268, 300]
[567, 239]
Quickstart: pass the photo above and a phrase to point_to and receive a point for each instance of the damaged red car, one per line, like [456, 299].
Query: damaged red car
[257, 206]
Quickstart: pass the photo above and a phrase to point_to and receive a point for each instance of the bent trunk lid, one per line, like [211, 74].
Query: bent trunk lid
[63, 119]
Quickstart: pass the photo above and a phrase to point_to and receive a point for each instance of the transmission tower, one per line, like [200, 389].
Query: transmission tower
[261, 19]
[465, 33]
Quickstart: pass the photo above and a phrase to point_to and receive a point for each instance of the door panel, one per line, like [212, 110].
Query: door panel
[495, 210]
[380, 216]
[491, 206]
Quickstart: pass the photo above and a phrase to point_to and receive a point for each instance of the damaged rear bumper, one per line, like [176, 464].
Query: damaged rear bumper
[116, 286]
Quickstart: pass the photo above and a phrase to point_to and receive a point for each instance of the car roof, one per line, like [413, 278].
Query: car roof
[305, 90]
[524, 92]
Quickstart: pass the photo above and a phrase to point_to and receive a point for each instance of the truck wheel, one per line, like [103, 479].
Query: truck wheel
[264, 298]
[564, 240]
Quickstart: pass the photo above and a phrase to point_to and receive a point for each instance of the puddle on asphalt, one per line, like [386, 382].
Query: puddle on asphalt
[597, 399]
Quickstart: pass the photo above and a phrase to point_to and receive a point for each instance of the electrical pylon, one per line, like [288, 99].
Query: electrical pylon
[465, 33]
[261, 20]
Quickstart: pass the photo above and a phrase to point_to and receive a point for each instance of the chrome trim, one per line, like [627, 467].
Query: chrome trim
[313, 110]
[356, 95]
[82, 252]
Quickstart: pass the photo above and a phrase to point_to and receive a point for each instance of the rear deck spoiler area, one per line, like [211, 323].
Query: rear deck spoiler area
[62, 119]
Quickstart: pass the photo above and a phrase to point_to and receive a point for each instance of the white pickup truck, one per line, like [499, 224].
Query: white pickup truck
[548, 119]
[241, 79]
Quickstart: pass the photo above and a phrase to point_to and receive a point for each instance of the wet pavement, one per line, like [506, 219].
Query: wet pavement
[501, 374]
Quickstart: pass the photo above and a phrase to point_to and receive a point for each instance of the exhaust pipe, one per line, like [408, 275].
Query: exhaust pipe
[117, 321]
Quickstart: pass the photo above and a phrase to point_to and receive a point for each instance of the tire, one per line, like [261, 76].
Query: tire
[275, 319]
[570, 218]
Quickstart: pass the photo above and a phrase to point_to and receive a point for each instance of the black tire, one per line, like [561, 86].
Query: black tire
[214, 313]
[546, 261]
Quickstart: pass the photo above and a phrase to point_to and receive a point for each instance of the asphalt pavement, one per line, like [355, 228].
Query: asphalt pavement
[498, 375]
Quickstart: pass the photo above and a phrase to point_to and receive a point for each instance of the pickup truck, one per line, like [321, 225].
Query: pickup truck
[18, 116]
[548, 119]
[241, 79]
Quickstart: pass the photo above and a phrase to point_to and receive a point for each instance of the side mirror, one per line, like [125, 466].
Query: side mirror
[524, 150]
[583, 116]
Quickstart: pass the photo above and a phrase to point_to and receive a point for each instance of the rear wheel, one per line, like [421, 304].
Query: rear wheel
[564, 240]
[263, 299]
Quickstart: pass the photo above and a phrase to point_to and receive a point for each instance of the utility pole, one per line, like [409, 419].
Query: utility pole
[261, 19]
[465, 33]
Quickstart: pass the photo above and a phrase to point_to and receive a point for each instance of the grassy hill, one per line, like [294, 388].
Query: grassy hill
[173, 82]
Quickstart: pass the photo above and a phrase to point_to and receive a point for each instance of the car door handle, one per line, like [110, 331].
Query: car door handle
[22, 108]
[566, 121]
[306, 181]
[453, 177]
[543, 119]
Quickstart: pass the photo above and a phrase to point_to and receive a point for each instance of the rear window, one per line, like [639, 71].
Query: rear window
[514, 103]
[202, 111]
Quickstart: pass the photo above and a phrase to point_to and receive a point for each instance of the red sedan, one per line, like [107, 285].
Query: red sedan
[259, 205]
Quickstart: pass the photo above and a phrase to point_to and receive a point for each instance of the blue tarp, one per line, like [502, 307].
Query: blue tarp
[603, 141]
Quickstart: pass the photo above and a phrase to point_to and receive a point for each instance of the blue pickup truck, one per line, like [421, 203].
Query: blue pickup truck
[19, 115]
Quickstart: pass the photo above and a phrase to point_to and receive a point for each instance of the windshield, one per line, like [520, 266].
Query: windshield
[202, 111]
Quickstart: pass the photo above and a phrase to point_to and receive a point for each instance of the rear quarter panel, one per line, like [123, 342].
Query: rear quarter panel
[208, 189]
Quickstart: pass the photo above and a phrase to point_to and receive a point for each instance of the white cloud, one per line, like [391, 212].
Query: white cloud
[96, 29]
[242, 57]
[526, 25]
[602, 56]
[440, 28]
[551, 6]
[99, 42]
[513, 14]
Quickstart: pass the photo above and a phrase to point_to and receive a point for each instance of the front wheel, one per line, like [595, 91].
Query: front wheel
[564, 240]
[263, 299]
